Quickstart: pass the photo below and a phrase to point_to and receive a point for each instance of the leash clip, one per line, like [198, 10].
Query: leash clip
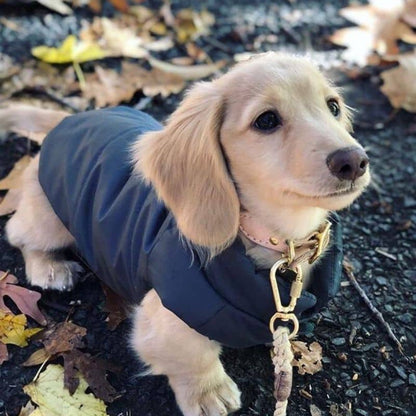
[322, 238]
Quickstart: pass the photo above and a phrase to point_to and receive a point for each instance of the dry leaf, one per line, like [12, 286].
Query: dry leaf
[308, 359]
[400, 83]
[190, 25]
[381, 26]
[115, 306]
[48, 392]
[71, 50]
[13, 179]
[63, 337]
[186, 72]
[27, 410]
[37, 358]
[108, 87]
[10, 201]
[13, 329]
[4, 355]
[93, 369]
[25, 299]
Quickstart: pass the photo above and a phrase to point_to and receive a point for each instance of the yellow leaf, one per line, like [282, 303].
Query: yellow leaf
[53, 400]
[71, 50]
[12, 329]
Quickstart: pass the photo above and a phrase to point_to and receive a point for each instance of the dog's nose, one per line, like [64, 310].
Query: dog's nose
[348, 164]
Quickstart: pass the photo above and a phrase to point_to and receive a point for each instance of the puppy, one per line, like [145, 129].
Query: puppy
[183, 219]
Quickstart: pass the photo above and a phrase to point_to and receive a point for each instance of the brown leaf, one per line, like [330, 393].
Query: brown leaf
[308, 359]
[13, 179]
[25, 299]
[399, 83]
[94, 371]
[108, 87]
[63, 337]
[381, 26]
[37, 358]
[115, 306]
[9, 202]
[4, 355]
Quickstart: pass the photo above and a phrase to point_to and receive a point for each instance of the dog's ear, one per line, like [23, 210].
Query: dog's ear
[185, 164]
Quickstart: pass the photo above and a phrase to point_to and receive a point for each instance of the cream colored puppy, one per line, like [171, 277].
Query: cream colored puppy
[271, 137]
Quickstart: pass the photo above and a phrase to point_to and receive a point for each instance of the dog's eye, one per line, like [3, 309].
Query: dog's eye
[333, 106]
[267, 121]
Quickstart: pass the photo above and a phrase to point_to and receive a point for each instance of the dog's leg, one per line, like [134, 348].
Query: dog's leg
[38, 232]
[190, 360]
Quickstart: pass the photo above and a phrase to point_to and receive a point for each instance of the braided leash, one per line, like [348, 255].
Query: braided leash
[290, 265]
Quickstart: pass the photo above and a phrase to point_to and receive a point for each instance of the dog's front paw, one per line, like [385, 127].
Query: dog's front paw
[53, 274]
[207, 396]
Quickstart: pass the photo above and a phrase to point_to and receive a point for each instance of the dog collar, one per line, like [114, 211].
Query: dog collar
[307, 249]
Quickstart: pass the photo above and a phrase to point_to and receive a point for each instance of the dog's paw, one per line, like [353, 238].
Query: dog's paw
[205, 398]
[54, 274]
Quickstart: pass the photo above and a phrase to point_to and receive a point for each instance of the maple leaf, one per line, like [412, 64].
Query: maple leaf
[380, 29]
[399, 83]
[64, 340]
[93, 369]
[48, 393]
[308, 358]
[25, 299]
[13, 329]
[70, 51]
[13, 179]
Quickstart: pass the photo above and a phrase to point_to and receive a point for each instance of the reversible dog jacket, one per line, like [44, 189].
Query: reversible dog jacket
[130, 240]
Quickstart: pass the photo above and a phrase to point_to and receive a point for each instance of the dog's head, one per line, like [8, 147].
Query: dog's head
[271, 133]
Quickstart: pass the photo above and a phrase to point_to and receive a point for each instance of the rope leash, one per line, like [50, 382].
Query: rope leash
[290, 265]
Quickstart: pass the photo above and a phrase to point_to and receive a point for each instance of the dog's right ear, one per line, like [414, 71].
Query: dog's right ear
[185, 164]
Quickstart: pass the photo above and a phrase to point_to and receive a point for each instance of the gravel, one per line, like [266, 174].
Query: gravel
[381, 221]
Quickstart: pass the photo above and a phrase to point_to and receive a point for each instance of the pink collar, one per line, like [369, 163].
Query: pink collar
[259, 234]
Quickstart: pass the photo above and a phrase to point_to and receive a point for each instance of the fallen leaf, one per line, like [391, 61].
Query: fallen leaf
[399, 83]
[187, 72]
[114, 305]
[108, 87]
[10, 201]
[27, 410]
[13, 329]
[93, 369]
[63, 337]
[381, 26]
[37, 358]
[4, 355]
[71, 50]
[13, 179]
[25, 299]
[121, 5]
[308, 358]
[53, 400]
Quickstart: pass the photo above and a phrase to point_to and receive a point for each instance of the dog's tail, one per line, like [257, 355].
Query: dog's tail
[24, 119]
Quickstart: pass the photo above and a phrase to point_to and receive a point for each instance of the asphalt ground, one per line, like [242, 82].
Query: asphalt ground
[364, 373]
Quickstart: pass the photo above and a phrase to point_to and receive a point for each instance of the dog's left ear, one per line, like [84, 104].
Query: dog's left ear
[185, 164]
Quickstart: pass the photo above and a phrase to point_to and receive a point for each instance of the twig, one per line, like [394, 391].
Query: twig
[348, 267]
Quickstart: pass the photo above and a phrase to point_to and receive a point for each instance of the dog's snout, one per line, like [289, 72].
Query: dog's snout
[349, 163]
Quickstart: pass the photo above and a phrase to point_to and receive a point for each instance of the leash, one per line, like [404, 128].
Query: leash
[290, 266]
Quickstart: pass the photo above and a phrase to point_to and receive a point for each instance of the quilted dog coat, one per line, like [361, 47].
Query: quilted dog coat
[130, 240]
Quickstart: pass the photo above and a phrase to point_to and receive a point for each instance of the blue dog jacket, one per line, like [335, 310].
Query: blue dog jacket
[130, 239]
